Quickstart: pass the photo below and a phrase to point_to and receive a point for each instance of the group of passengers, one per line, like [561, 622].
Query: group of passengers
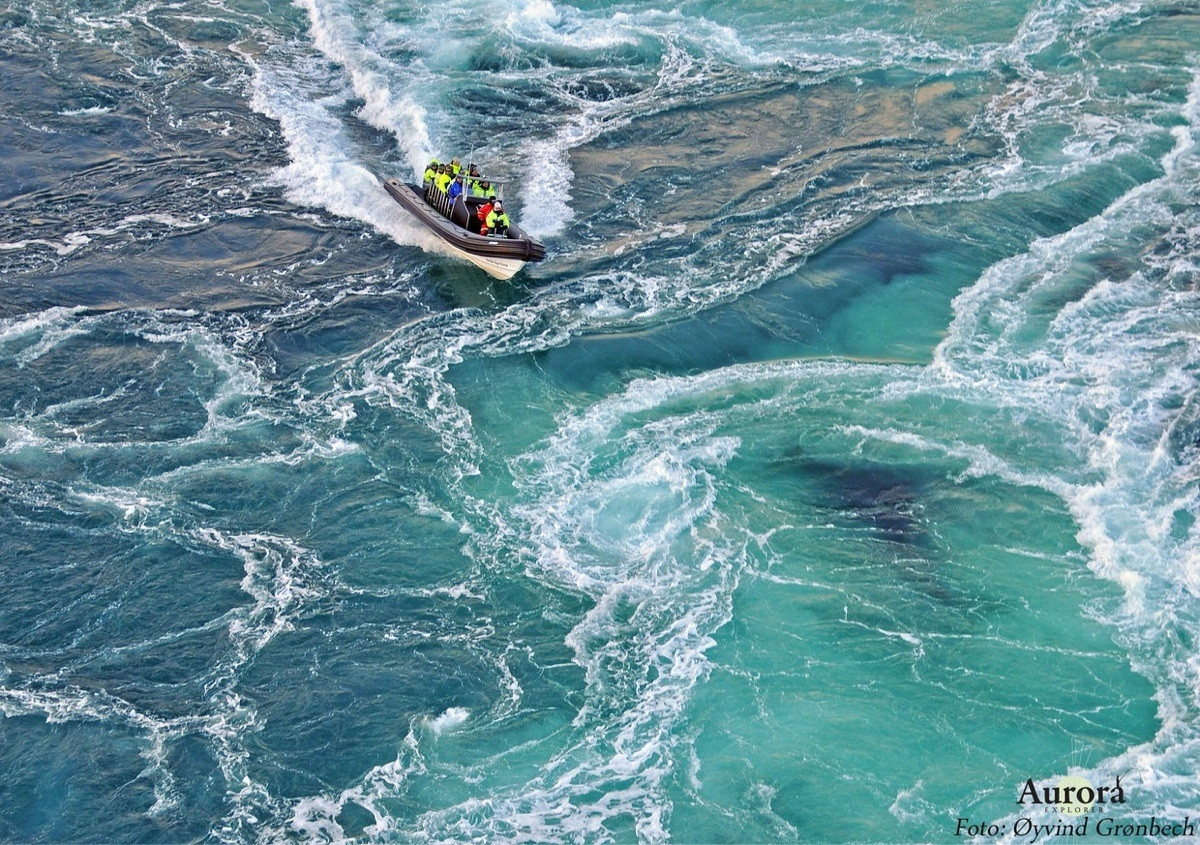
[450, 179]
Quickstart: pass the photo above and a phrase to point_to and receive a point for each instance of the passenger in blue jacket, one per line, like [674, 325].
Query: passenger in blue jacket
[456, 188]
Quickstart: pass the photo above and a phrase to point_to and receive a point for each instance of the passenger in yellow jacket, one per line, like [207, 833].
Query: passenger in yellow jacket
[431, 171]
[483, 188]
[497, 221]
[443, 178]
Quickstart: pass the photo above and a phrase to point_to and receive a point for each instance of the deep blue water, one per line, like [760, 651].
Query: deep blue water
[835, 474]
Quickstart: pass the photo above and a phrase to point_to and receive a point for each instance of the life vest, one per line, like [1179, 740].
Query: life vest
[498, 220]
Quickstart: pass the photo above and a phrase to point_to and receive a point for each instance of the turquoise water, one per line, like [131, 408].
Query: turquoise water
[834, 475]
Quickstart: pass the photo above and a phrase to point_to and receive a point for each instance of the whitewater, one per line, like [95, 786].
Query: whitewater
[835, 475]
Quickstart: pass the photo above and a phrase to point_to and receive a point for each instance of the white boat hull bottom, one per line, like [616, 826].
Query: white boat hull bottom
[498, 268]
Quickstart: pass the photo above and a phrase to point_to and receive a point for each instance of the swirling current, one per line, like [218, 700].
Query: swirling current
[834, 475]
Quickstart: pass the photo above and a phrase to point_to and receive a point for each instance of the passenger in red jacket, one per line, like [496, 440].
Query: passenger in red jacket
[482, 214]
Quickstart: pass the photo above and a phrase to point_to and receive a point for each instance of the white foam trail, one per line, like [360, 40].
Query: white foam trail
[321, 172]
[336, 35]
[547, 201]
[530, 25]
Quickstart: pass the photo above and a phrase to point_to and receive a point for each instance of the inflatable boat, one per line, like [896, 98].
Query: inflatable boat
[456, 222]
